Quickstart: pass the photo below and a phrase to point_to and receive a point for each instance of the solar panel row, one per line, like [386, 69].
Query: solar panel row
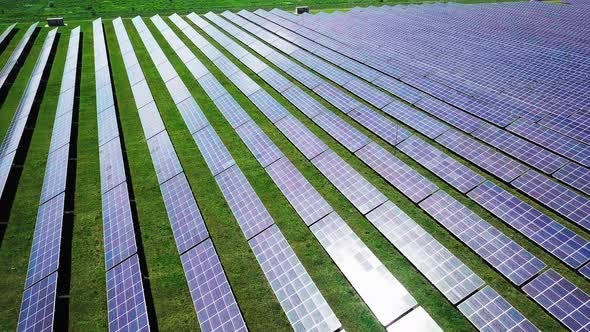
[247, 208]
[310, 205]
[38, 304]
[15, 57]
[453, 172]
[14, 134]
[5, 34]
[463, 283]
[213, 299]
[125, 294]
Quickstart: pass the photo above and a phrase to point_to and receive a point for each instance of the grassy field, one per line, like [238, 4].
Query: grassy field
[26, 10]
[165, 279]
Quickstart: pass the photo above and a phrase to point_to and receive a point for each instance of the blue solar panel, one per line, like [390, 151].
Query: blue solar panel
[108, 128]
[44, 258]
[231, 110]
[485, 157]
[360, 192]
[192, 115]
[125, 297]
[585, 271]
[265, 151]
[212, 296]
[299, 297]
[276, 80]
[559, 198]
[304, 102]
[244, 83]
[447, 168]
[343, 132]
[306, 200]
[185, 218]
[379, 125]
[268, 105]
[401, 176]
[546, 232]
[38, 306]
[247, 208]
[576, 176]
[303, 76]
[119, 234]
[530, 153]
[214, 152]
[507, 256]
[562, 299]
[340, 99]
[489, 311]
[303, 139]
[56, 172]
[61, 132]
[151, 121]
[449, 114]
[399, 89]
[369, 93]
[112, 169]
[164, 157]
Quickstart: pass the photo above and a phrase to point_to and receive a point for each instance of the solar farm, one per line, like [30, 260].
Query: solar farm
[383, 168]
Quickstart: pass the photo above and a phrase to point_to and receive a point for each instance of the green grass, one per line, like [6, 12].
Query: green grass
[171, 299]
[26, 10]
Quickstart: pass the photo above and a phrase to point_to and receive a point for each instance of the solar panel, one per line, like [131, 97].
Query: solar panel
[384, 295]
[445, 271]
[38, 306]
[338, 98]
[231, 110]
[135, 74]
[305, 77]
[226, 66]
[489, 311]
[379, 125]
[303, 101]
[351, 138]
[299, 297]
[451, 171]
[529, 153]
[119, 236]
[164, 157]
[508, 257]
[185, 217]
[559, 198]
[576, 176]
[546, 232]
[212, 296]
[104, 99]
[369, 93]
[265, 151]
[5, 167]
[303, 139]
[15, 57]
[360, 192]
[192, 115]
[56, 172]
[125, 297]
[268, 105]
[151, 121]
[585, 271]
[167, 72]
[244, 83]
[252, 62]
[399, 89]
[177, 90]
[211, 86]
[61, 132]
[416, 320]
[562, 299]
[112, 169]
[304, 198]
[44, 258]
[13, 136]
[214, 152]
[552, 140]
[197, 69]
[276, 80]
[247, 208]
[401, 176]
[487, 158]
[449, 114]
